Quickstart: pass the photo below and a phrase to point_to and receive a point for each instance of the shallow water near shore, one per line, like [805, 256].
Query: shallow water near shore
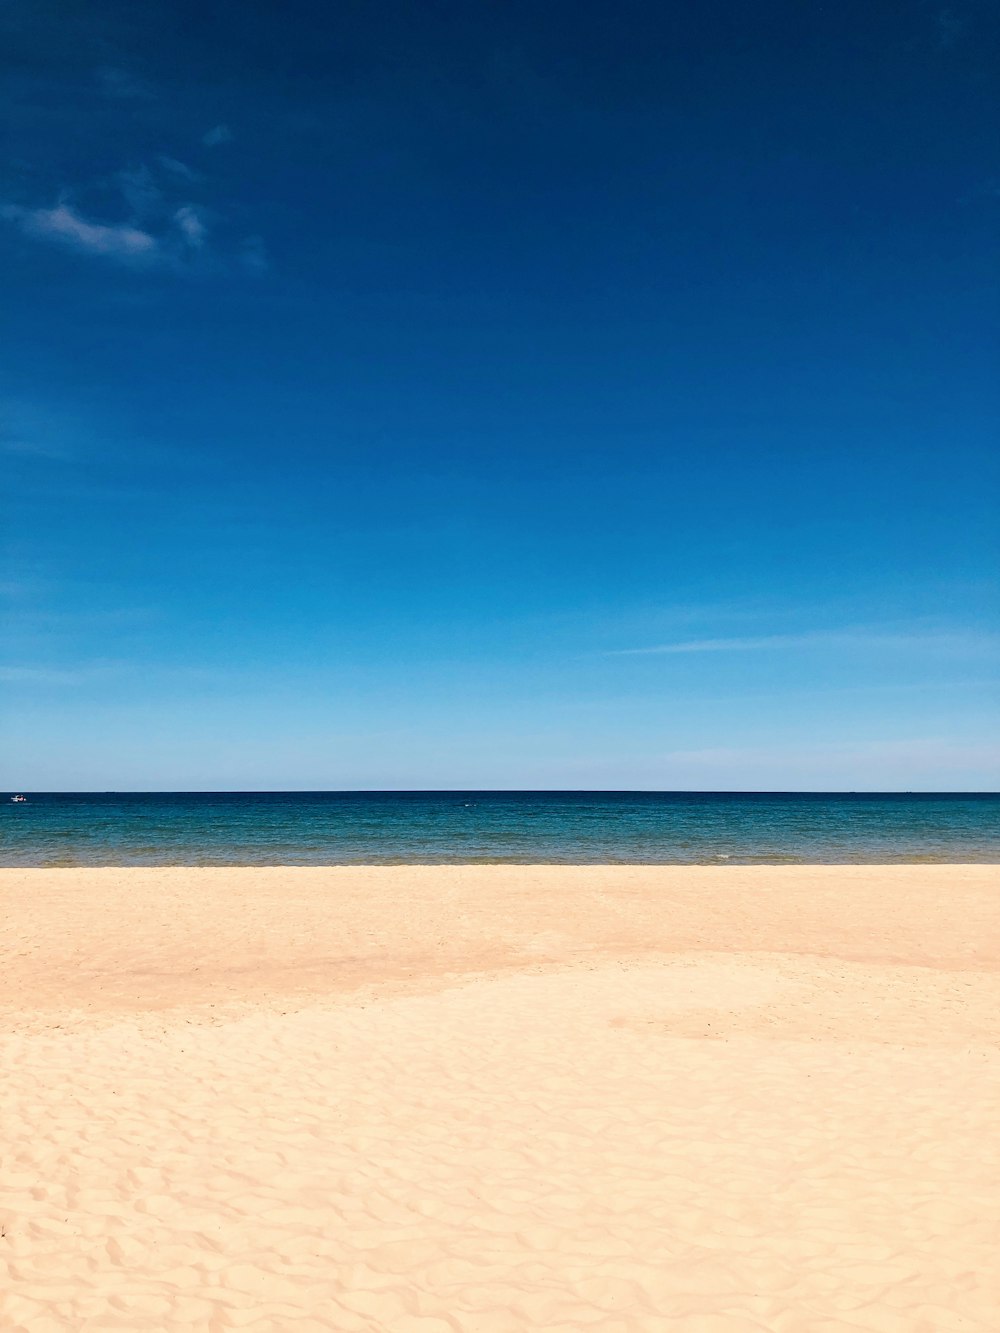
[345, 828]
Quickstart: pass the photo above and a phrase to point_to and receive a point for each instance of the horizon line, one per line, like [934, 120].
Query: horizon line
[499, 791]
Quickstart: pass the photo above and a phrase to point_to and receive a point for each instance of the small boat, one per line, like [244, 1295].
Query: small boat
[19, 800]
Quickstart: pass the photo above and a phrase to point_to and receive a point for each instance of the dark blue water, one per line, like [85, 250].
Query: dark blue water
[339, 828]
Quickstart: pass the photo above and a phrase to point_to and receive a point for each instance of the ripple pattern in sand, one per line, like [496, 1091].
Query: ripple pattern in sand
[530, 1152]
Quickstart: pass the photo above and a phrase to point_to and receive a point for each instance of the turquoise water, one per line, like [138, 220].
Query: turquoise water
[339, 828]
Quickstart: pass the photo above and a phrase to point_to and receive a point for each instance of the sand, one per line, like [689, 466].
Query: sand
[494, 1098]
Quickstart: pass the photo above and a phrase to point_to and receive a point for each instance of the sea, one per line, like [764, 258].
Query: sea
[526, 827]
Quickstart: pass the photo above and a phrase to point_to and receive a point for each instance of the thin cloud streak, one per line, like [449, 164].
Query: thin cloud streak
[123, 241]
[859, 639]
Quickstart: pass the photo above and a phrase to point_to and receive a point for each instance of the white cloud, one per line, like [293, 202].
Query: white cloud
[191, 227]
[121, 241]
[161, 228]
[218, 134]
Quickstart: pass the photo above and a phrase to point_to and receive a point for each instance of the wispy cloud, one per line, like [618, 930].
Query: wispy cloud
[191, 225]
[849, 638]
[178, 168]
[163, 226]
[218, 134]
[62, 224]
[140, 191]
[717, 645]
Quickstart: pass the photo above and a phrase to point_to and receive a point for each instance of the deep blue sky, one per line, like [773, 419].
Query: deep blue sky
[523, 394]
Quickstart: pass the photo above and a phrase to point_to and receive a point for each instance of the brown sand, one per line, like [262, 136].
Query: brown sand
[490, 1099]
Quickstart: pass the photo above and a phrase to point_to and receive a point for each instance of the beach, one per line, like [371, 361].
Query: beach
[481, 1099]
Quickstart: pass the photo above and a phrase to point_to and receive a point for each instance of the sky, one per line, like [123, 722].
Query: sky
[521, 395]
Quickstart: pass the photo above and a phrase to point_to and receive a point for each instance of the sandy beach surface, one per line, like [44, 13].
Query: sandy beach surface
[496, 1098]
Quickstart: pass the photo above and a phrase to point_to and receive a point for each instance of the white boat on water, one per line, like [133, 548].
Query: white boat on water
[19, 800]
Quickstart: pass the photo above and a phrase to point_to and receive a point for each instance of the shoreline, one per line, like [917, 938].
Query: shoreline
[666, 866]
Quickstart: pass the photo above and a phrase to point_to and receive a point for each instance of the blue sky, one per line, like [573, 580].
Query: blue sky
[523, 395]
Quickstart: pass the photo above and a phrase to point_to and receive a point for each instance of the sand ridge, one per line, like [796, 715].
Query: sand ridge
[640, 1126]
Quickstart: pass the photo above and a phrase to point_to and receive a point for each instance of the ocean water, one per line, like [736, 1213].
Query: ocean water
[342, 828]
